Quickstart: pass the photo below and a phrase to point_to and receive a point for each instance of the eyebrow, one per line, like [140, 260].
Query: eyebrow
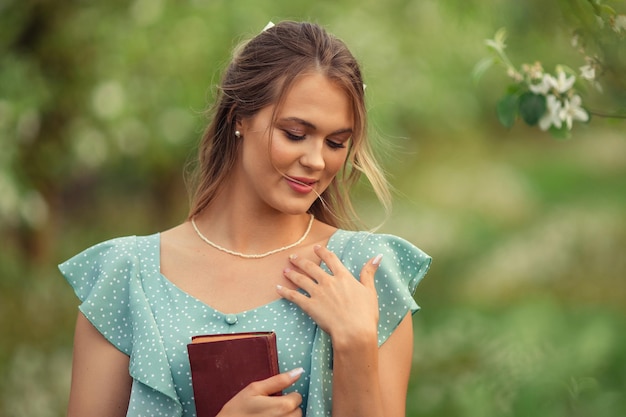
[312, 126]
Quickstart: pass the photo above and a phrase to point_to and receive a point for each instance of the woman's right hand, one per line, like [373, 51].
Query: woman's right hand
[256, 399]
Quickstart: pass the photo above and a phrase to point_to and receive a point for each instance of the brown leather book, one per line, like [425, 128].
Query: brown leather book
[224, 364]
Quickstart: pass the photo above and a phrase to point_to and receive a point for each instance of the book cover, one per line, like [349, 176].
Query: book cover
[224, 364]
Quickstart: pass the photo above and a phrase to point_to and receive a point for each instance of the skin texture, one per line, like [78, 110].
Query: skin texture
[100, 380]
[265, 208]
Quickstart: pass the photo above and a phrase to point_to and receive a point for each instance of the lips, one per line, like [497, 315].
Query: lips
[300, 184]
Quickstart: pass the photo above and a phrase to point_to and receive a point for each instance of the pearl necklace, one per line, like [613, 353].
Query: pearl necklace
[253, 256]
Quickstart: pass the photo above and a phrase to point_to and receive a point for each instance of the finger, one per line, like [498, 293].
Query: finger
[293, 399]
[300, 280]
[294, 296]
[330, 258]
[369, 271]
[276, 383]
[308, 267]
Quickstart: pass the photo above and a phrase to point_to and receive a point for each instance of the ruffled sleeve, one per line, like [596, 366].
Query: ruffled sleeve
[110, 280]
[100, 277]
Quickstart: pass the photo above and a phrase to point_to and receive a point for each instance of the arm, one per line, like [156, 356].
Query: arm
[373, 381]
[395, 360]
[100, 379]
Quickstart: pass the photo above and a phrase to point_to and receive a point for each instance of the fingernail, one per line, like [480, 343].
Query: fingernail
[296, 372]
[293, 256]
[286, 270]
[377, 259]
[279, 287]
[316, 247]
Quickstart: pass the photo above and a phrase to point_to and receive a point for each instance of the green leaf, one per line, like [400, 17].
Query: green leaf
[481, 67]
[507, 110]
[608, 10]
[532, 107]
[497, 44]
[515, 89]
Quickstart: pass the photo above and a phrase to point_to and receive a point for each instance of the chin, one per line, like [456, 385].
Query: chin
[295, 209]
[292, 205]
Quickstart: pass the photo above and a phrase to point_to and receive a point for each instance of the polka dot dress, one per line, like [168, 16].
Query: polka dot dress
[147, 317]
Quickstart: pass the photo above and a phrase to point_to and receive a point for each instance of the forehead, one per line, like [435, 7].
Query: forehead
[319, 100]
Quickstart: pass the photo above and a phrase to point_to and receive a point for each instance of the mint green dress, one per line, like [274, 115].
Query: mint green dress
[125, 296]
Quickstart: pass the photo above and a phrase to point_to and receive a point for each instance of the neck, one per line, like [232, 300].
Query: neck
[250, 232]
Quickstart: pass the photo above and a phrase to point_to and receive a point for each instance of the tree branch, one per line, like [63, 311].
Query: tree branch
[607, 115]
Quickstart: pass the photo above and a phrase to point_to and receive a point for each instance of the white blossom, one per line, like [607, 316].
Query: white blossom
[546, 83]
[552, 117]
[511, 72]
[562, 82]
[572, 110]
[534, 71]
[588, 72]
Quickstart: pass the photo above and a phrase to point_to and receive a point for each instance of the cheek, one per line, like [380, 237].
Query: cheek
[256, 153]
[335, 162]
[282, 155]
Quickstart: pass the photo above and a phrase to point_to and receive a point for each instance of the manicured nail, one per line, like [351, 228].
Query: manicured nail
[293, 256]
[279, 287]
[296, 372]
[377, 259]
[316, 247]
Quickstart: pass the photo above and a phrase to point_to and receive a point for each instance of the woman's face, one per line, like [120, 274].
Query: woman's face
[308, 146]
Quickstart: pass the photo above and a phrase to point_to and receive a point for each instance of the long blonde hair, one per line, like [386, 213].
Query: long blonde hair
[260, 74]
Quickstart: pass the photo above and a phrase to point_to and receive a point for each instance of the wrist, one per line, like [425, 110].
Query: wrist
[355, 341]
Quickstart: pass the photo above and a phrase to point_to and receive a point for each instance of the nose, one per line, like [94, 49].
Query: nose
[313, 155]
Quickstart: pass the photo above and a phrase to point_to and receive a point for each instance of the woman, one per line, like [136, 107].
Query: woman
[261, 250]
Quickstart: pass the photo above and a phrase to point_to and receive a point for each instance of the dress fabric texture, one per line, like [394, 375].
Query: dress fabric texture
[144, 315]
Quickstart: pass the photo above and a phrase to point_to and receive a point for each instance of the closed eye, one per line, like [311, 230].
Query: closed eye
[293, 136]
[336, 145]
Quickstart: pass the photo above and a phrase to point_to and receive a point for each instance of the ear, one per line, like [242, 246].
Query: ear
[232, 115]
[242, 124]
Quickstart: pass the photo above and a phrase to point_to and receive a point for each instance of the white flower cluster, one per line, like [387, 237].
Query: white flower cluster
[563, 105]
[550, 100]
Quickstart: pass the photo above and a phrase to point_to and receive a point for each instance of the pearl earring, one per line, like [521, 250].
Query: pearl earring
[237, 134]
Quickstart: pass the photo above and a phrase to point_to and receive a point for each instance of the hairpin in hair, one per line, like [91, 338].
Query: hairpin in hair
[269, 25]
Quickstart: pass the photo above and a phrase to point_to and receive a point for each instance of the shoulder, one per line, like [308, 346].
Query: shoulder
[114, 260]
[111, 250]
[354, 243]
[400, 259]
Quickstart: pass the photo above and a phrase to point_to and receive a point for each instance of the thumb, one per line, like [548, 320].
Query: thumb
[369, 270]
[277, 383]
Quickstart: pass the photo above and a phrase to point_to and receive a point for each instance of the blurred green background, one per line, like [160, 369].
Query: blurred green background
[524, 309]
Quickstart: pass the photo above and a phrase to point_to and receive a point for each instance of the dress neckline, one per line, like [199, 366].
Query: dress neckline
[329, 245]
